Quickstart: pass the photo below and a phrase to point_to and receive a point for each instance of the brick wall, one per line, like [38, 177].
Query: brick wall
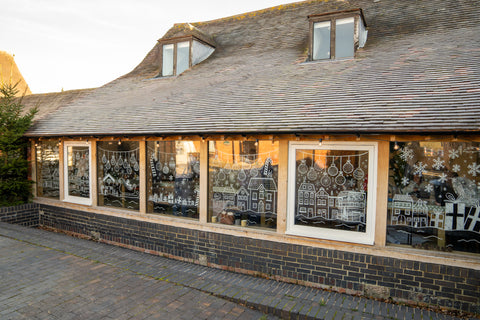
[402, 280]
[25, 215]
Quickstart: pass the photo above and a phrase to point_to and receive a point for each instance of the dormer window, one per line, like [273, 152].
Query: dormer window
[176, 56]
[180, 55]
[336, 35]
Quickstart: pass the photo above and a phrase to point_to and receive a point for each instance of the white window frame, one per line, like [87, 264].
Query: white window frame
[67, 197]
[367, 237]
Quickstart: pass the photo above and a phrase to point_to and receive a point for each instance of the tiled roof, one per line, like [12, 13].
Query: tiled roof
[48, 103]
[418, 73]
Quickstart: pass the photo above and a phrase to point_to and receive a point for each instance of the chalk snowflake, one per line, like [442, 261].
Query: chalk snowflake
[438, 164]
[428, 188]
[443, 178]
[351, 183]
[406, 154]
[453, 154]
[405, 181]
[456, 168]
[473, 169]
[419, 168]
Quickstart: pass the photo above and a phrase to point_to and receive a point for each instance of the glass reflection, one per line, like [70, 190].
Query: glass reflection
[173, 178]
[243, 179]
[47, 169]
[434, 195]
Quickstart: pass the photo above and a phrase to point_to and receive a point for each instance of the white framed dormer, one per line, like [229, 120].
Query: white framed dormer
[336, 35]
[180, 54]
[77, 168]
[332, 190]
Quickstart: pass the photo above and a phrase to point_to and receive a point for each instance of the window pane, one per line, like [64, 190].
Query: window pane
[47, 169]
[434, 196]
[173, 178]
[243, 179]
[331, 189]
[118, 174]
[321, 40]
[183, 56]
[344, 30]
[78, 171]
[167, 64]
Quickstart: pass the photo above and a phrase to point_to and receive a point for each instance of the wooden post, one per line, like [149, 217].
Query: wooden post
[382, 193]
[143, 177]
[282, 186]
[203, 206]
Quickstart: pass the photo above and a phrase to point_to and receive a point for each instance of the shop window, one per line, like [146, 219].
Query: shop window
[118, 174]
[47, 167]
[342, 175]
[78, 180]
[239, 183]
[173, 178]
[337, 35]
[434, 196]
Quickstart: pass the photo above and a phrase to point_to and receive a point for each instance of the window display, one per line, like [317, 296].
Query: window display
[47, 169]
[434, 198]
[243, 180]
[77, 172]
[118, 174]
[332, 191]
[173, 177]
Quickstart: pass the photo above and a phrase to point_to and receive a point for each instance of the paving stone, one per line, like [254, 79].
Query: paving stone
[48, 275]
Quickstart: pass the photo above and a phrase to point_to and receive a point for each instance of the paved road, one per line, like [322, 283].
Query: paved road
[40, 283]
[46, 275]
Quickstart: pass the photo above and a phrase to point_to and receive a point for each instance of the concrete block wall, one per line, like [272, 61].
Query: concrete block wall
[382, 277]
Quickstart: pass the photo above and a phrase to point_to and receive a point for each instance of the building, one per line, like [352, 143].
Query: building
[345, 102]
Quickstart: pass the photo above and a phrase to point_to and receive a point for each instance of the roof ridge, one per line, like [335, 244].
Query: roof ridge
[254, 13]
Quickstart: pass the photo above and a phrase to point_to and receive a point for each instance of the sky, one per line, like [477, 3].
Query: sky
[76, 44]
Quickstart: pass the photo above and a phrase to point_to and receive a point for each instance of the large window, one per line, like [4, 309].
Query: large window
[77, 162]
[173, 176]
[118, 174]
[332, 191]
[48, 184]
[434, 195]
[243, 180]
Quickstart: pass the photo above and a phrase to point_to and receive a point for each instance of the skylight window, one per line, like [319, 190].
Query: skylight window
[336, 35]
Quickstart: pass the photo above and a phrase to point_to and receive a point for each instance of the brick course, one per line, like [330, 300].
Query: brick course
[355, 273]
[25, 215]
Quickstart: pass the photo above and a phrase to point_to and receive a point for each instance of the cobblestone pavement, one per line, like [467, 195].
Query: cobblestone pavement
[46, 275]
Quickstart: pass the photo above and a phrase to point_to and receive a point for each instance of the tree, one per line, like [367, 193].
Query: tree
[15, 188]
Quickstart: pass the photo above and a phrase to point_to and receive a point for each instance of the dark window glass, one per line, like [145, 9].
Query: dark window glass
[118, 174]
[331, 189]
[78, 171]
[173, 177]
[434, 198]
[243, 180]
[47, 169]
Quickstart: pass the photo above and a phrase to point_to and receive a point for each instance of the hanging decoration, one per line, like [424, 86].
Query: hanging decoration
[174, 187]
[120, 182]
[332, 193]
[48, 162]
[78, 173]
[245, 185]
[435, 187]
